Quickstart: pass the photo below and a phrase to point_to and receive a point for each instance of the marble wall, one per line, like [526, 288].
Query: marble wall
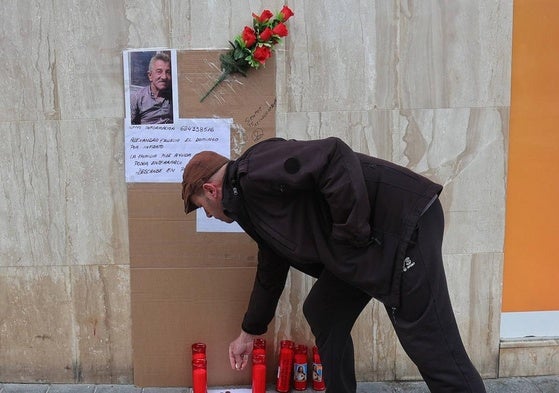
[425, 83]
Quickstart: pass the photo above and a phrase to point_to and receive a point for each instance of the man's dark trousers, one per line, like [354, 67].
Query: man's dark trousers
[424, 322]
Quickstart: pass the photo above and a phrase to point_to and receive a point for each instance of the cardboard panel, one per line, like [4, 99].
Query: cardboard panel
[250, 100]
[162, 236]
[188, 286]
[170, 244]
[180, 307]
[156, 201]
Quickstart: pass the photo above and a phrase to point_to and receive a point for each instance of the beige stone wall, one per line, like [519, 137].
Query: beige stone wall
[424, 83]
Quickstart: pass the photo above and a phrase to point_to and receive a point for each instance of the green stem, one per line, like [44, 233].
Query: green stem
[221, 78]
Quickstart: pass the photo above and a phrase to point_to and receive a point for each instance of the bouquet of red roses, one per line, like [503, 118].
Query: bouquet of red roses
[255, 45]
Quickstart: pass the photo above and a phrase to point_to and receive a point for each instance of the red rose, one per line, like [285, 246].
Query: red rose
[264, 17]
[280, 30]
[249, 37]
[266, 34]
[262, 53]
[286, 13]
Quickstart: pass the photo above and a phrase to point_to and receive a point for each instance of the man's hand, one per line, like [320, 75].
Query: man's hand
[239, 351]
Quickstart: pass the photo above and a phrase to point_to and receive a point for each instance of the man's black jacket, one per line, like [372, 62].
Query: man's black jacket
[319, 205]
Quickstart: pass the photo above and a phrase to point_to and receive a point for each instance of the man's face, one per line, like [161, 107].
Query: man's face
[212, 206]
[160, 75]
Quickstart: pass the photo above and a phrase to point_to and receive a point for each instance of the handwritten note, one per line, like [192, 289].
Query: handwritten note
[158, 153]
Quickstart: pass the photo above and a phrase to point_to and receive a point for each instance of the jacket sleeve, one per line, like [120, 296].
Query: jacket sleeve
[342, 183]
[271, 275]
[326, 166]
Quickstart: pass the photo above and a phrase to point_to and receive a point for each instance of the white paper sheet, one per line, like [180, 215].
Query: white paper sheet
[158, 153]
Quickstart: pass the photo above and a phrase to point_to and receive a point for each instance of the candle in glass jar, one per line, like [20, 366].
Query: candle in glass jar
[300, 368]
[285, 364]
[317, 380]
[199, 376]
[259, 346]
[258, 373]
[198, 351]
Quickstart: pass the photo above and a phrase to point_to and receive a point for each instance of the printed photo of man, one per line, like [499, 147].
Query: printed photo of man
[152, 103]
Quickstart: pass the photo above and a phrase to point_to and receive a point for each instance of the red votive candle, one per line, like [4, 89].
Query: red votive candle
[199, 376]
[300, 368]
[258, 373]
[259, 346]
[285, 365]
[198, 351]
[317, 380]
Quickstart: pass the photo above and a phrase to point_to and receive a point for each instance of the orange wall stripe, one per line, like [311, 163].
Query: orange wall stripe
[531, 267]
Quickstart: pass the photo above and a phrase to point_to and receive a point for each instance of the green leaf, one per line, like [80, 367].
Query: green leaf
[238, 53]
[238, 42]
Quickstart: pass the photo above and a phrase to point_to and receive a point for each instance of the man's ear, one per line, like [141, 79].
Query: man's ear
[210, 190]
